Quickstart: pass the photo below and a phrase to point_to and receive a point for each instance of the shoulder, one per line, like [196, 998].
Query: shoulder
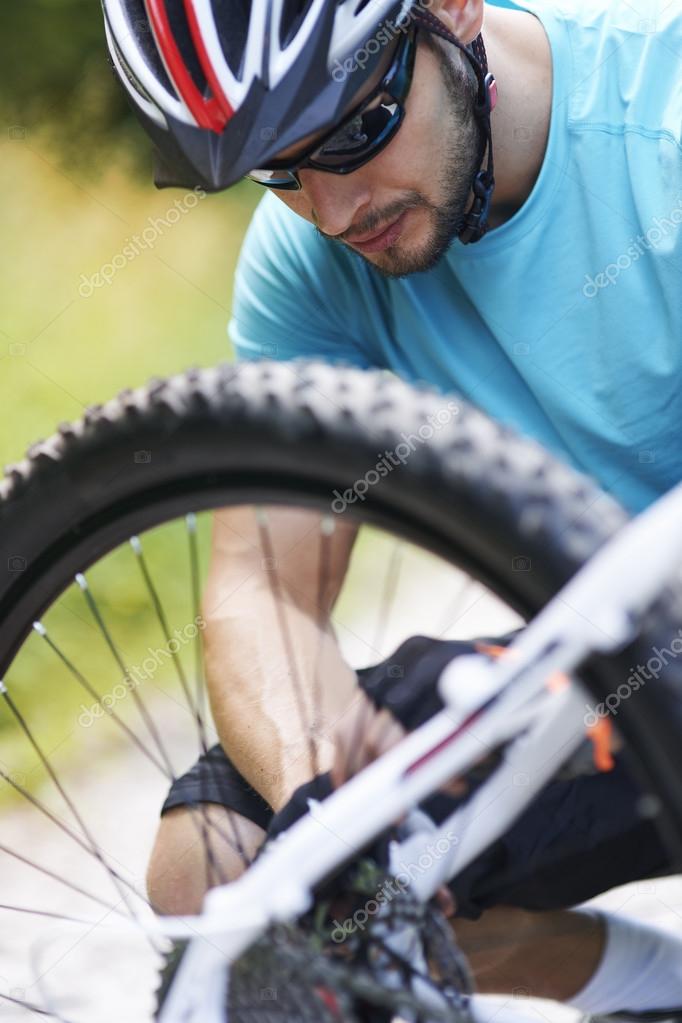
[619, 63]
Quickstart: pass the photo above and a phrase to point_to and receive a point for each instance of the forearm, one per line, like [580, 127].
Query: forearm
[275, 716]
[276, 679]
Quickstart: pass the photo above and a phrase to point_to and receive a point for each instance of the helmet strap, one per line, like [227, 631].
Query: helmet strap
[475, 222]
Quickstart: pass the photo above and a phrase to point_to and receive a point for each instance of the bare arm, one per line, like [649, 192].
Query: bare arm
[264, 601]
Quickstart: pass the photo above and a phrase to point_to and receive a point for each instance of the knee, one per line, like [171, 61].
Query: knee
[196, 849]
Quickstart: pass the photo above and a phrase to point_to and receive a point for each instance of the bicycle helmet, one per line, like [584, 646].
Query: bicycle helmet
[221, 86]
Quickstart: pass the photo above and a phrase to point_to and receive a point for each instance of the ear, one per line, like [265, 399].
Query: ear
[463, 17]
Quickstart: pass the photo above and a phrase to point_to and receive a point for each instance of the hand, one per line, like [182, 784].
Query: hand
[365, 733]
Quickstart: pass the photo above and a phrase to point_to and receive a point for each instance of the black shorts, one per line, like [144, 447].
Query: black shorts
[580, 837]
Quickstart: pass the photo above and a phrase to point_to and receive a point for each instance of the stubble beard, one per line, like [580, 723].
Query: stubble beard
[460, 162]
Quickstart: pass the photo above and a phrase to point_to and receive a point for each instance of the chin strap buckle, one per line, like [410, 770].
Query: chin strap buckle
[475, 223]
[486, 107]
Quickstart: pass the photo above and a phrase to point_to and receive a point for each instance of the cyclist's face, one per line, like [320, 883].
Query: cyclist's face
[416, 189]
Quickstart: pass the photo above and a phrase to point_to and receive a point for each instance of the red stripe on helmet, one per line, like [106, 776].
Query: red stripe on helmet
[206, 111]
[211, 76]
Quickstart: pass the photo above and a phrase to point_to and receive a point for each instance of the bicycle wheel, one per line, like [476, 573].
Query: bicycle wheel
[471, 493]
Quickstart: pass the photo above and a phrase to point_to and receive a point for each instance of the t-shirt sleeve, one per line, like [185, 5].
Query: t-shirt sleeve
[296, 294]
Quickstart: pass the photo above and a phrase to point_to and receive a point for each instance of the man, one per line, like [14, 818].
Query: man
[544, 286]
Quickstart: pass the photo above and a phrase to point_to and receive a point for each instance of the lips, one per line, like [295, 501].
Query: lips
[381, 239]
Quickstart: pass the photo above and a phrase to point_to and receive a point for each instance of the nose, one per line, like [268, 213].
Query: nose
[335, 199]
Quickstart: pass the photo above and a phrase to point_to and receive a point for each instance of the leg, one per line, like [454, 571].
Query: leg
[210, 807]
[179, 872]
[535, 955]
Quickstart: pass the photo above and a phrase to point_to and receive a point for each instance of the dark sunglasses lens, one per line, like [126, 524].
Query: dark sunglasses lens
[360, 138]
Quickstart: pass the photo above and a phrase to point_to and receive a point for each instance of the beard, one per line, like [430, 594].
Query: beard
[460, 162]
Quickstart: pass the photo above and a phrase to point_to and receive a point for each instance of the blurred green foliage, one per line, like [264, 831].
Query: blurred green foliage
[57, 78]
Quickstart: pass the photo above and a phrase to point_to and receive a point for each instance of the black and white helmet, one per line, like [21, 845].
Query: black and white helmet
[222, 86]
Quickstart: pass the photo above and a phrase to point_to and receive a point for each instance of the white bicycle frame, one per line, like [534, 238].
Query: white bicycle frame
[487, 703]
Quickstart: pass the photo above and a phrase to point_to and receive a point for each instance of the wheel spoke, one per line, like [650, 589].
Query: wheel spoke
[139, 702]
[61, 880]
[207, 825]
[35, 1008]
[89, 844]
[90, 689]
[458, 605]
[46, 913]
[136, 545]
[214, 872]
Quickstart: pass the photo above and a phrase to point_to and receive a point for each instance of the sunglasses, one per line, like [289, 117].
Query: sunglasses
[362, 135]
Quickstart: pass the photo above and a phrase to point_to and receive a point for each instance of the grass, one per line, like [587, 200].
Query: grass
[163, 311]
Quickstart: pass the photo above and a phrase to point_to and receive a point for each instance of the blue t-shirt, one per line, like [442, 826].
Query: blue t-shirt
[565, 322]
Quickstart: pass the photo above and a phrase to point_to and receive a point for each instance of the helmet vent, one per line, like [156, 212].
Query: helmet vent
[293, 15]
[232, 25]
[183, 38]
[141, 31]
